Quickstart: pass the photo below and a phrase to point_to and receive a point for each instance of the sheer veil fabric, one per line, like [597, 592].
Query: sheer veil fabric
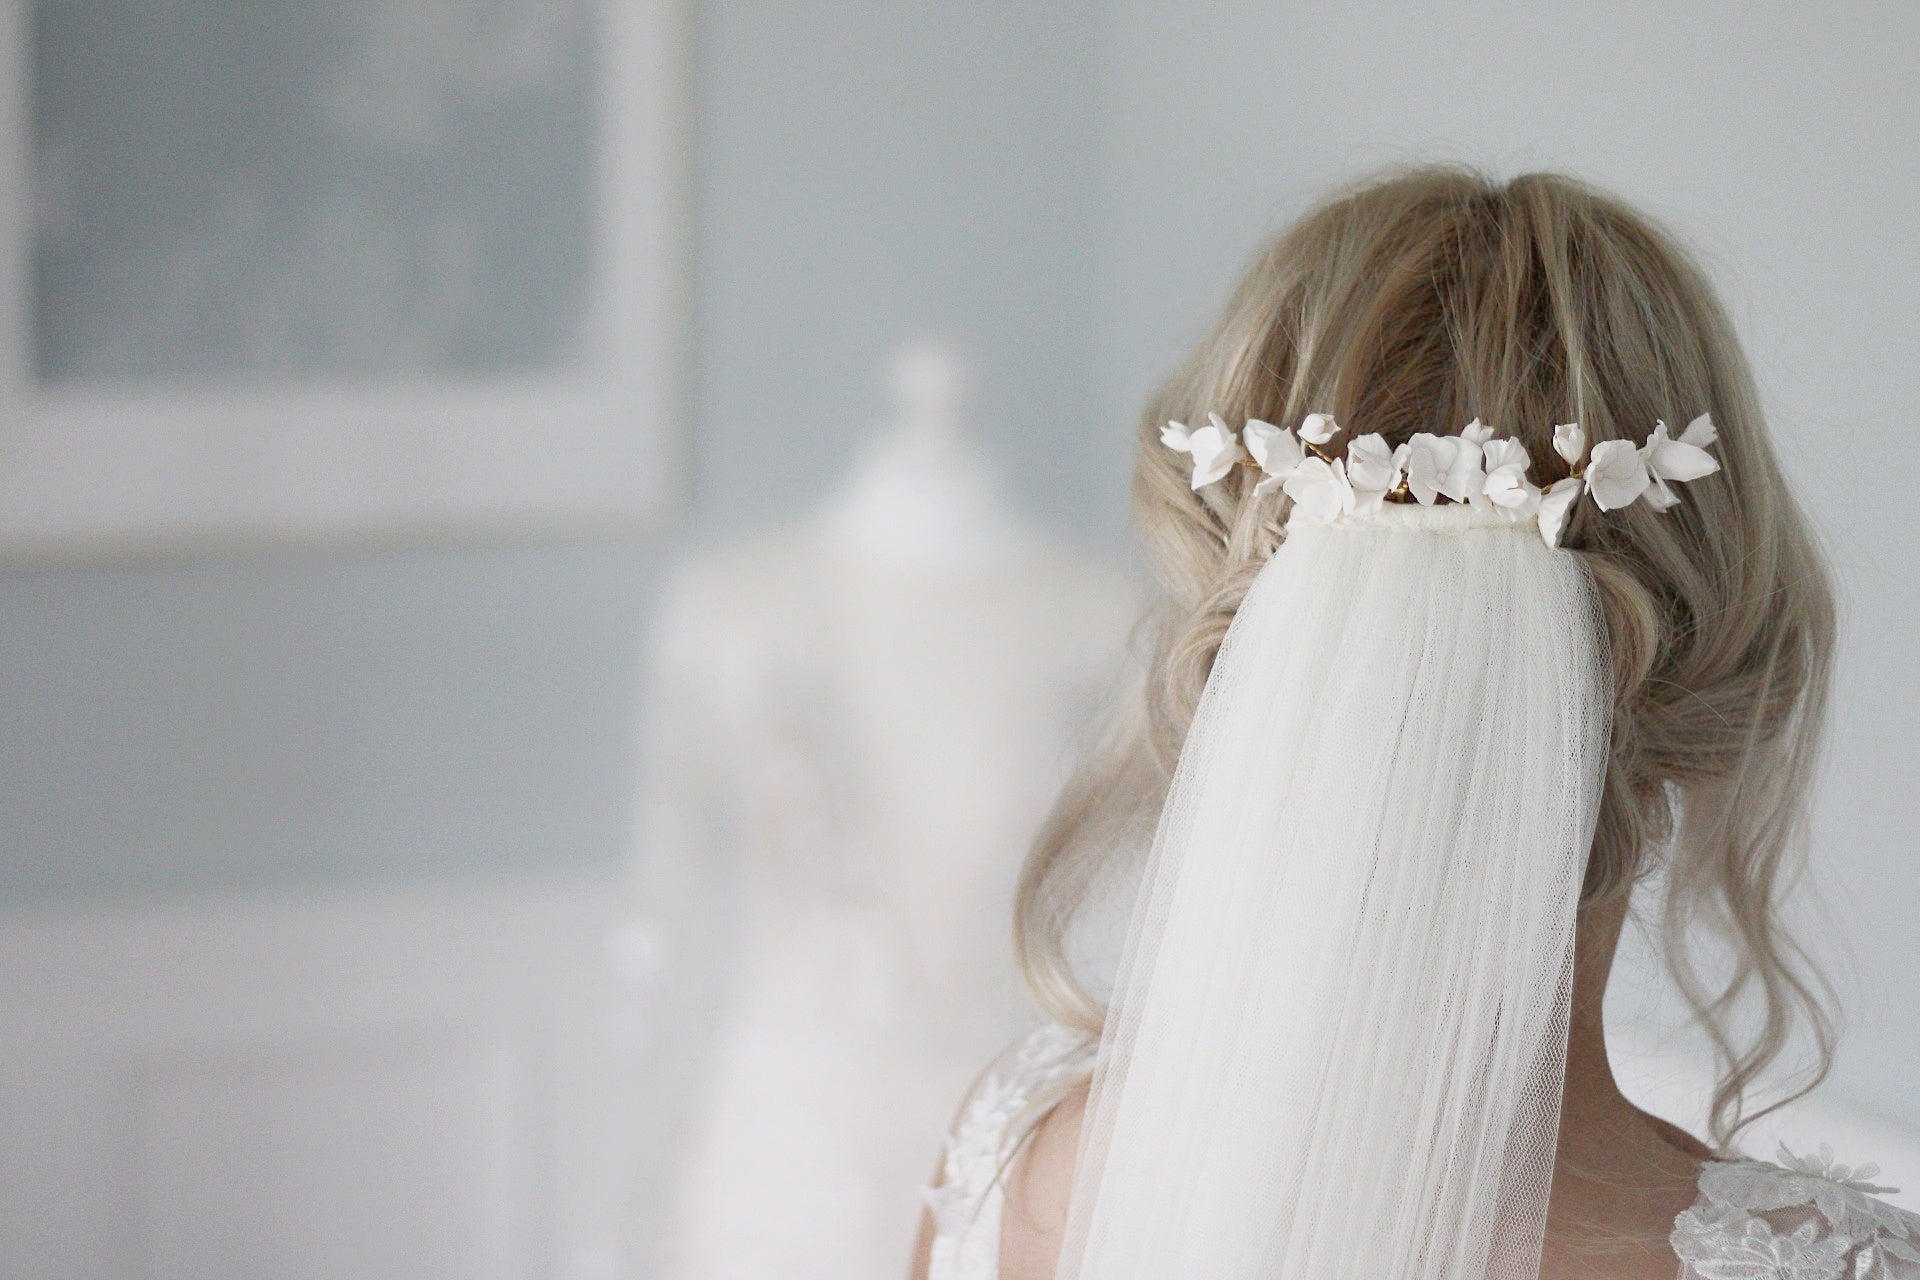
[1336, 1044]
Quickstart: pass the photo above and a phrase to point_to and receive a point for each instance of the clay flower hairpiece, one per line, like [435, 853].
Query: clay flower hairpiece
[1470, 467]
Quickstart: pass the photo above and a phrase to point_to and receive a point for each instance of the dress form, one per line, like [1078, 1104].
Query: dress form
[858, 724]
[920, 493]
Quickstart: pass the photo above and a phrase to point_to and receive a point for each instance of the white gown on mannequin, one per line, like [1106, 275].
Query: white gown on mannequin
[862, 722]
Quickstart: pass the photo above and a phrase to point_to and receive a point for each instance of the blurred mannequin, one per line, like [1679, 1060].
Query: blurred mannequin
[855, 728]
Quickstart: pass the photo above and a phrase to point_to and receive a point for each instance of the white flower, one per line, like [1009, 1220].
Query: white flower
[1729, 1245]
[1823, 1165]
[1570, 441]
[1504, 455]
[1177, 437]
[1318, 428]
[1424, 459]
[1616, 474]
[1214, 450]
[1700, 432]
[1555, 505]
[1507, 486]
[1677, 460]
[1371, 471]
[1320, 491]
[1466, 477]
[1846, 1196]
[1447, 465]
[1277, 452]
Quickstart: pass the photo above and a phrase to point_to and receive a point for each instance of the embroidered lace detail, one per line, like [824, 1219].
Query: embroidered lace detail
[966, 1205]
[1805, 1218]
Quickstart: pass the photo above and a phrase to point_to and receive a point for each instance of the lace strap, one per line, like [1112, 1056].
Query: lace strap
[966, 1205]
[1805, 1218]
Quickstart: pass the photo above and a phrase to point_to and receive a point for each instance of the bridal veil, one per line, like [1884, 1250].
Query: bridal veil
[1336, 1044]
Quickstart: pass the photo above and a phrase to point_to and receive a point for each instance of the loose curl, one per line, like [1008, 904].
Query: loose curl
[1414, 303]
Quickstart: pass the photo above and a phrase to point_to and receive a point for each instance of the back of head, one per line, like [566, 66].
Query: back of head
[1414, 303]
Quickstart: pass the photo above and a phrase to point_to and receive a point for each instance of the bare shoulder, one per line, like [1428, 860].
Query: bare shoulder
[1038, 1185]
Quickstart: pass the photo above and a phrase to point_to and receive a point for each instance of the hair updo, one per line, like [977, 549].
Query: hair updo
[1416, 303]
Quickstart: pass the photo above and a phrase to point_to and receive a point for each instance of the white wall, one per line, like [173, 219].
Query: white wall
[246, 729]
[1778, 137]
[433, 1083]
[864, 170]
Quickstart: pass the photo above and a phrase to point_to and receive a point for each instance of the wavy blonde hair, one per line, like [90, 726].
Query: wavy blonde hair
[1416, 302]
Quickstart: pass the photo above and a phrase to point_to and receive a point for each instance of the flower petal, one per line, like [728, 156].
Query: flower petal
[1258, 436]
[1476, 432]
[1465, 478]
[1570, 441]
[1215, 451]
[1275, 449]
[1428, 457]
[1555, 506]
[1616, 474]
[1318, 428]
[1510, 490]
[1176, 437]
[1320, 491]
[1700, 432]
[1659, 497]
[1676, 459]
[1504, 453]
[1370, 466]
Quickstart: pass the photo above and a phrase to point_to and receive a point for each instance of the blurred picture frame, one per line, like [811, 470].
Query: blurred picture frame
[323, 272]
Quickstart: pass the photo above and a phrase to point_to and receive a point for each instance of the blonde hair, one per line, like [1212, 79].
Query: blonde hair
[1416, 302]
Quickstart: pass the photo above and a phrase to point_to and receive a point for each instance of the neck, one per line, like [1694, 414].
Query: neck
[1620, 1175]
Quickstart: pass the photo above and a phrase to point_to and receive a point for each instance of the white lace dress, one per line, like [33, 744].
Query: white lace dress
[1805, 1218]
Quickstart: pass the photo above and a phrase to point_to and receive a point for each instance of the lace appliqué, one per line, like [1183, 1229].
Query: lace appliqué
[966, 1205]
[1805, 1218]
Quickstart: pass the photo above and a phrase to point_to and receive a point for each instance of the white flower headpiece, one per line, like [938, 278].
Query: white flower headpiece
[1471, 467]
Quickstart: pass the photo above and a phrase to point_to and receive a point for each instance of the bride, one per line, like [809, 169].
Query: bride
[1485, 601]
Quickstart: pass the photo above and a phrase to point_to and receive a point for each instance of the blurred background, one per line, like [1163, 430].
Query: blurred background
[554, 551]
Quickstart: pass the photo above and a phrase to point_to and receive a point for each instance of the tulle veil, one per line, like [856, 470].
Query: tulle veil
[1336, 1041]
